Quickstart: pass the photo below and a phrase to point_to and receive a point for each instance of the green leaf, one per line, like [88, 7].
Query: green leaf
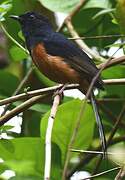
[59, 5]
[103, 12]
[17, 54]
[43, 108]
[65, 123]
[97, 4]
[25, 156]
[94, 27]
[5, 128]
[68, 6]
[22, 160]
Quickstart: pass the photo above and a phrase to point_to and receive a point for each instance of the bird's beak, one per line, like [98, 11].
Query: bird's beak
[15, 17]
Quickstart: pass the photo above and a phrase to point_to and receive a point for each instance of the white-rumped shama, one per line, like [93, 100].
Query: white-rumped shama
[60, 59]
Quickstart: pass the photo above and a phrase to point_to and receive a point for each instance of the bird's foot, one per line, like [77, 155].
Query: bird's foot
[60, 91]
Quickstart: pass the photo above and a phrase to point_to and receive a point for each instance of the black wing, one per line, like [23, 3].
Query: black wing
[58, 45]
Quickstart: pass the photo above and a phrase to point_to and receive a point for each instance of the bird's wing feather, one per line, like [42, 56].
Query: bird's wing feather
[58, 45]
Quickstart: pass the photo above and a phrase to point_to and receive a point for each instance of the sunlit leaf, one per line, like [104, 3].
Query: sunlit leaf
[103, 12]
[67, 6]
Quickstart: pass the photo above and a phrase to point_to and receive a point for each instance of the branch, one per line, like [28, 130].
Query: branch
[99, 37]
[50, 90]
[75, 35]
[81, 43]
[94, 152]
[102, 173]
[112, 62]
[48, 137]
[22, 107]
[121, 174]
[72, 13]
[30, 94]
[114, 81]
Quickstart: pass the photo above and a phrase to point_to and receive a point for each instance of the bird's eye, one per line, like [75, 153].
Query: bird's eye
[32, 16]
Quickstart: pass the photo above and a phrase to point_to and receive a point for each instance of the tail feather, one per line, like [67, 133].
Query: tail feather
[99, 123]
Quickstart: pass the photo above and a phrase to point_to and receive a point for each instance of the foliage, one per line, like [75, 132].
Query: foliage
[24, 153]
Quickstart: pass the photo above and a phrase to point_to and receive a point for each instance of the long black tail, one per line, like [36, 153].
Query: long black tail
[99, 123]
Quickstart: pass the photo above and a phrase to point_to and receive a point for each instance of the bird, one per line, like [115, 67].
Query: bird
[60, 59]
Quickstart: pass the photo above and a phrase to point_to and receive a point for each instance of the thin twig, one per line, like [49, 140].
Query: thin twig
[30, 94]
[22, 107]
[112, 62]
[114, 81]
[102, 173]
[94, 152]
[115, 127]
[99, 37]
[121, 174]
[48, 91]
[81, 43]
[100, 100]
[72, 13]
[75, 35]
[51, 119]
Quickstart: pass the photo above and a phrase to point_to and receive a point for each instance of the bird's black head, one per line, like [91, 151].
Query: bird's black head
[35, 27]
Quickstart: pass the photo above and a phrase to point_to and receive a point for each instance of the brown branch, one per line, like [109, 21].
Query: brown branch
[121, 174]
[112, 62]
[30, 94]
[81, 43]
[22, 107]
[72, 13]
[116, 125]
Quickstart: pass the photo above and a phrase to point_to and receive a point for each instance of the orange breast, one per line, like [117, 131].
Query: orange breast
[54, 67]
